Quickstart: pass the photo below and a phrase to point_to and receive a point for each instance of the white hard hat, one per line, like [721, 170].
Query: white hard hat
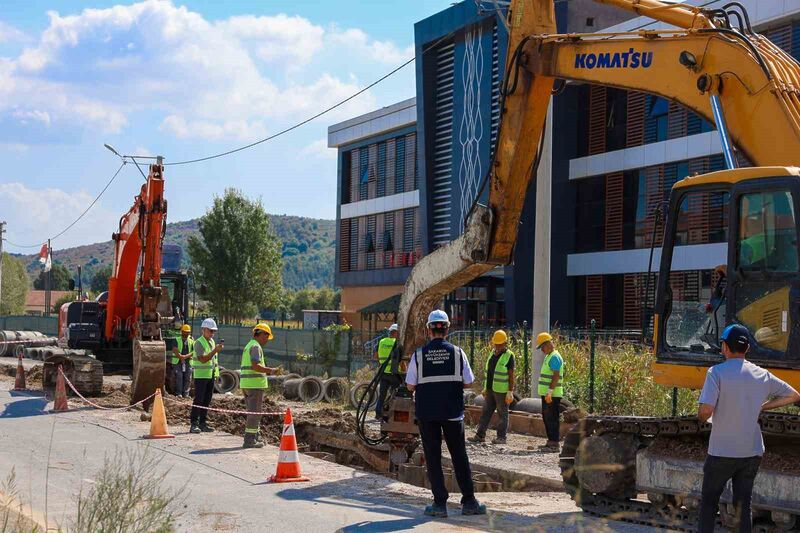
[209, 323]
[393, 327]
[437, 317]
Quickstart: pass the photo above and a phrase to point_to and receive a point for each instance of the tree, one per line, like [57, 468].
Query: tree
[237, 257]
[100, 280]
[59, 279]
[15, 286]
[323, 298]
[303, 299]
[70, 297]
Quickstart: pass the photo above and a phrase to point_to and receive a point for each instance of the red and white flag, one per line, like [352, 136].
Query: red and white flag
[45, 259]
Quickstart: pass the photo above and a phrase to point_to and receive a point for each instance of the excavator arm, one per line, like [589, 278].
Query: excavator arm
[726, 74]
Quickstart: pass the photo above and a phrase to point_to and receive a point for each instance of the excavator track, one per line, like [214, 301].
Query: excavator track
[149, 368]
[658, 509]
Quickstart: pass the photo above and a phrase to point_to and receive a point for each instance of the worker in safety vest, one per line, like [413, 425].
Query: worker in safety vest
[206, 368]
[253, 382]
[498, 388]
[382, 354]
[551, 388]
[437, 374]
[181, 364]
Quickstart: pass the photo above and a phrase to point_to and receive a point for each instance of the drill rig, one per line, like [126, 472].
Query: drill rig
[714, 64]
[127, 329]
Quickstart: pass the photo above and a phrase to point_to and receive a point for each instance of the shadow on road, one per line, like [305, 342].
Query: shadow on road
[212, 451]
[32, 406]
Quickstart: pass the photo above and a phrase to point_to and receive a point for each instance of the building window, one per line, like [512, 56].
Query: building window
[381, 170]
[363, 173]
[400, 165]
[657, 122]
[347, 158]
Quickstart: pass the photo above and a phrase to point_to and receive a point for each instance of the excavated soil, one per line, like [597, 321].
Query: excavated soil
[784, 459]
[33, 376]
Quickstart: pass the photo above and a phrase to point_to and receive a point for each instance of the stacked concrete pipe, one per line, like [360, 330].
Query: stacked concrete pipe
[10, 341]
[310, 389]
[357, 392]
[335, 390]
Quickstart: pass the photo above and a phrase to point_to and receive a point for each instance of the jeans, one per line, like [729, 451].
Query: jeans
[203, 392]
[494, 401]
[551, 419]
[431, 434]
[387, 381]
[716, 473]
[181, 379]
[253, 399]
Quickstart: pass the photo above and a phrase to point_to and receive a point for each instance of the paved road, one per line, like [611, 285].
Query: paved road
[224, 485]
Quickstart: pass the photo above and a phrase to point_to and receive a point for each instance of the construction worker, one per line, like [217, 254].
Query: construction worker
[253, 382]
[551, 388]
[437, 374]
[735, 392]
[385, 347]
[498, 388]
[181, 364]
[206, 368]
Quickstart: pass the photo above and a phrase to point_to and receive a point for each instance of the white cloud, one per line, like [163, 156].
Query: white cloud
[233, 79]
[319, 148]
[35, 115]
[9, 33]
[33, 212]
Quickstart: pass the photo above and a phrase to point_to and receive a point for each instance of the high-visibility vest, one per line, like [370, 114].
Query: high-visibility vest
[209, 369]
[190, 342]
[500, 380]
[546, 376]
[249, 378]
[384, 351]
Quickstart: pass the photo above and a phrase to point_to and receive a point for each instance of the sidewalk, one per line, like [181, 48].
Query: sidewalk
[226, 486]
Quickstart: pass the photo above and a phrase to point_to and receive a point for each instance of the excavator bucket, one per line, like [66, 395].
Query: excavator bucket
[149, 368]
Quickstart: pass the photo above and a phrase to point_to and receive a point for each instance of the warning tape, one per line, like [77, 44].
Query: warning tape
[79, 395]
[232, 411]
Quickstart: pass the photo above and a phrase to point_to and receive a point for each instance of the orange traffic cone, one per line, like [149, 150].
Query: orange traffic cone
[19, 381]
[158, 420]
[60, 403]
[288, 458]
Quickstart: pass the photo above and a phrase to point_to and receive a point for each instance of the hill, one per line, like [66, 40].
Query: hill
[309, 248]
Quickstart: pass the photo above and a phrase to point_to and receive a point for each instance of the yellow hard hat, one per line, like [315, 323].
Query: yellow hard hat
[186, 328]
[499, 337]
[542, 338]
[265, 328]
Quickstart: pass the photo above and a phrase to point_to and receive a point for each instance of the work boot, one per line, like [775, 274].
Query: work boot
[473, 508]
[250, 441]
[499, 440]
[551, 446]
[436, 511]
[206, 428]
[477, 438]
[194, 429]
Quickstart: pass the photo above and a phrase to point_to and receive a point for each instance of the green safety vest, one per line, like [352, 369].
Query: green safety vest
[175, 360]
[500, 381]
[249, 378]
[209, 369]
[546, 376]
[384, 351]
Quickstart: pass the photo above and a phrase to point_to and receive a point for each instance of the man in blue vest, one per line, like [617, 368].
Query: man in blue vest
[437, 374]
[388, 380]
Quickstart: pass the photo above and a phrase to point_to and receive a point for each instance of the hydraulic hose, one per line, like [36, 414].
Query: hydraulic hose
[362, 410]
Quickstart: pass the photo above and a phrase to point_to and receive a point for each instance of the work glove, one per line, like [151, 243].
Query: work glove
[509, 397]
[485, 393]
[549, 396]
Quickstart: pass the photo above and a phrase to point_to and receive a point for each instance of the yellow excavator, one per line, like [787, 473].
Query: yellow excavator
[649, 469]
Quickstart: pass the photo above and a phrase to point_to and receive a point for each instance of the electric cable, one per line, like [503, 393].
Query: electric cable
[363, 408]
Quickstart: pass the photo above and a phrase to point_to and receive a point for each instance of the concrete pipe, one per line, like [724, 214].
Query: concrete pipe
[312, 389]
[478, 400]
[529, 405]
[228, 381]
[469, 397]
[291, 388]
[8, 339]
[357, 392]
[335, 390]
[19, 350]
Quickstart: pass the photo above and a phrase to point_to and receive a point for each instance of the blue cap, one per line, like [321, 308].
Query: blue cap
[737, 337]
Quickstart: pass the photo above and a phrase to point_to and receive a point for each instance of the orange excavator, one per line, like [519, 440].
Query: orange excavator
[646, 469]
[125, 327]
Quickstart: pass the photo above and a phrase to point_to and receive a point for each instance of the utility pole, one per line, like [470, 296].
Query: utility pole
[47, 281]
[2, 231]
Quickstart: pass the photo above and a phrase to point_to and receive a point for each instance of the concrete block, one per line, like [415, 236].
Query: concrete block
[413, 475]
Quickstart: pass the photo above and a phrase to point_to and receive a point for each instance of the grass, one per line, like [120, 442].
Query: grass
[13, 517]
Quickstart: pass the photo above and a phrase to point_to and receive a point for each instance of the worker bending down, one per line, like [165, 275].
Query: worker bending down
[498, 388]
[253, 382]
[206, 368]
[437, 374]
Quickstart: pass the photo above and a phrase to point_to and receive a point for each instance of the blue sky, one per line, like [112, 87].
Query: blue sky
[183, 79]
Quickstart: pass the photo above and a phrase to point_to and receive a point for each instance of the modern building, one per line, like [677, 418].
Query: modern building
[616, 155]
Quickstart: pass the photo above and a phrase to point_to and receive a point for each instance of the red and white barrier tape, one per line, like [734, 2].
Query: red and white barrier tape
[233, 411]
[79, 395]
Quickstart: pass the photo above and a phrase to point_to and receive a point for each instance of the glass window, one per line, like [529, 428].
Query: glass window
[387, 241]
[767, 239]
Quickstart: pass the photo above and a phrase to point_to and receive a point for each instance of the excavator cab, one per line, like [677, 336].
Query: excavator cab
[746, 222]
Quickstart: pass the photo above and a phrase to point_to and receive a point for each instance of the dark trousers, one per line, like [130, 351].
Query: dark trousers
[387, 381]
[494, 401]
[203, 391]
[716, 473]
[551, 418]
[431, 434]
[182, 379]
